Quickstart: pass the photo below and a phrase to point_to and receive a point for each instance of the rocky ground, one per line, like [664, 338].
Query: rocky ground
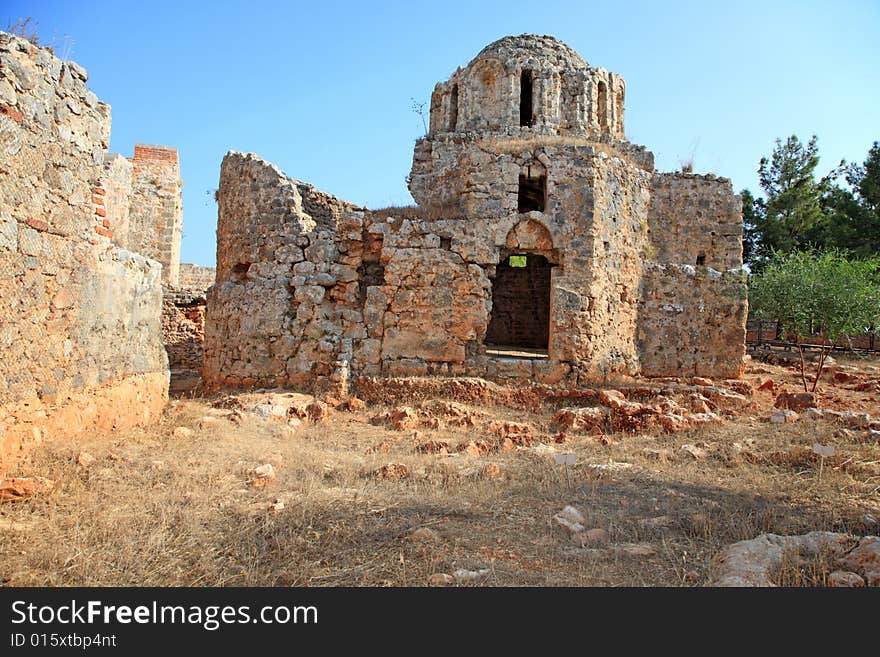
[421, 482]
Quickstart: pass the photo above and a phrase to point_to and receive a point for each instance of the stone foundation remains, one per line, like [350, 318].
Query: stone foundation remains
[544, 246]
[80, 328]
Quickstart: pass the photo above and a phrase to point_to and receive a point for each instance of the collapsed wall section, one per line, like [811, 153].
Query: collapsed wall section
[694, 307]
[79, 315]
[275, 313]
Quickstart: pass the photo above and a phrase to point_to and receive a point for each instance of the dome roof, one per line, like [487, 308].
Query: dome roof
[546, 50]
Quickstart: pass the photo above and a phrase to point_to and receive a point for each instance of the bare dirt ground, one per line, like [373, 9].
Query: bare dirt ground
[168, 507]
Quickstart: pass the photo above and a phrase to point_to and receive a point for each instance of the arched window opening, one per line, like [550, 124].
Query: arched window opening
[526, 102]
[453, 108]
[532, 189]
[602, 105]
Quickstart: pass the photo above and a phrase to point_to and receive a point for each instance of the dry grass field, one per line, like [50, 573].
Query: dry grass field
[154, 508]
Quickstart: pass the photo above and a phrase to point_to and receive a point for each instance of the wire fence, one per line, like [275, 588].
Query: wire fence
[763, 332]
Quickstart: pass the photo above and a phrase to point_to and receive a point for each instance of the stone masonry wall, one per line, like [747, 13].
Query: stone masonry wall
[156, 221]
[695, 219]
[79, 314]
[183, 325]
[196, 276]
[692, 321]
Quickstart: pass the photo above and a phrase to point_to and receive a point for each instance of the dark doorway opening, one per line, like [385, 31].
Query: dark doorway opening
[526, 111]
[532, 191]
[520, 305]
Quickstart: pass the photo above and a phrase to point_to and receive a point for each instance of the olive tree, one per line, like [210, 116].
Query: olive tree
[820, 299]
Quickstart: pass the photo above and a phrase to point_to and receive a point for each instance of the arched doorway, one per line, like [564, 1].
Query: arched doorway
[520, 319]
[522, 301]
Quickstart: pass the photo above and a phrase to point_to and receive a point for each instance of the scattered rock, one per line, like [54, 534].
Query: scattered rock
[643, 550]
[767, 384]
[270, 411]
[701, 381]
[865, 560]
[433, 447]
[441, 579]
[784, 417]
[813, 414]
[208, 421]
[183, 432]
[611, 466]
[477, 447]
[673, 422]
[491, 471]
[796, 401]
[424, 535]
[463, 575]
[589, 537]
[393, 471]
[355, 404]
[845, 579]
[277, 505]
[755, 561]
[404, 418]
[17, 489]
[658, 454]
[580, 420]
[318, 411]
[695, 452]
[85, 459]
[262, 475]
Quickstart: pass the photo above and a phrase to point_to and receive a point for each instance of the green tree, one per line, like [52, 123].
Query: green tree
[823, 298]
[865, 220]
[793, 206]
[752, 216]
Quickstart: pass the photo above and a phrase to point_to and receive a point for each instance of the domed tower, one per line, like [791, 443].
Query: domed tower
[526, 85]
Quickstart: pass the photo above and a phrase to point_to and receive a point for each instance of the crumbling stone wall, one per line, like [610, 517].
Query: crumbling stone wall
[183, 325]
[196, 276]
[79, 314]
[312, 293]
[156, 208]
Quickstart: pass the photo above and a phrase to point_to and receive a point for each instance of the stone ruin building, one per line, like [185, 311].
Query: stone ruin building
[89, 245]
[545, 247]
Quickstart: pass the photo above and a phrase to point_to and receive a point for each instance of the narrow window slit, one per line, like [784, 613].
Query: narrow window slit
[526, 108]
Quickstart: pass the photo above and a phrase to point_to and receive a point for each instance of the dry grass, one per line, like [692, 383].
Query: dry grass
[153, 509]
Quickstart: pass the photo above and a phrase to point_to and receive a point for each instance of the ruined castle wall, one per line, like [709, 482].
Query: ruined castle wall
[619, 238]
[183, 333]
[694, 217]
[115, 192]
[692, 321]
[694, 301]
[272, 313]
[156, 215]
[79, 315]
[196, 276]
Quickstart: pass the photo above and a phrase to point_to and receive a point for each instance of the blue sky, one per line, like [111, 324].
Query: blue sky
[324, 89]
